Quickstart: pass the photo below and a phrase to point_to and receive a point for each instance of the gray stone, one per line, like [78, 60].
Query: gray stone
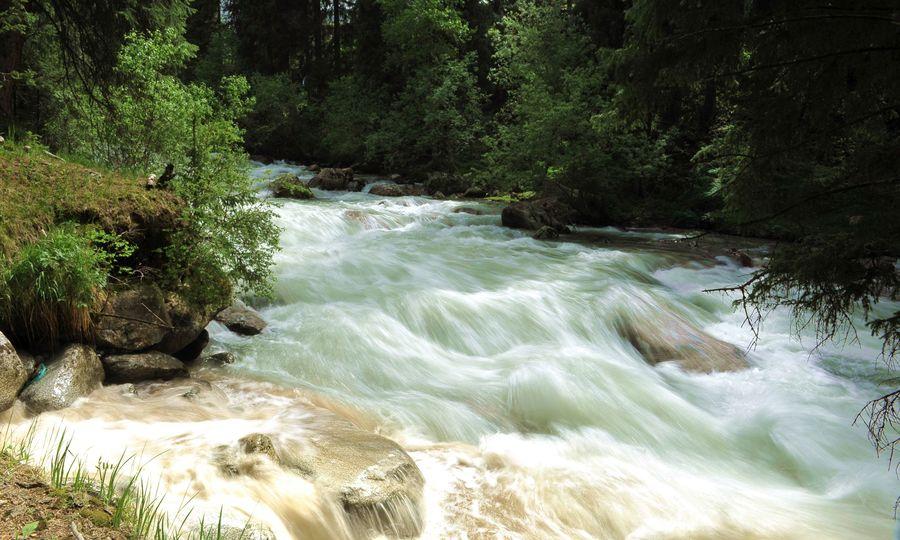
[241, 319]
[220, 358]
[666, 337]
[123, 368]
[133, 320]
[73, 373]
[188, 324]
[536, 214]
[376, 482]
[334, 180]
[397, 190]
[546, 233]
[194, 349]
[13, 374]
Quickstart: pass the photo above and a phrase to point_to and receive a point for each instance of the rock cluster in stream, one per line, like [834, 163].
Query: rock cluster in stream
[141, 333]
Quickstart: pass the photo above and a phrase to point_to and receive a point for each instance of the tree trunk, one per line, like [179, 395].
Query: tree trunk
[337, 34]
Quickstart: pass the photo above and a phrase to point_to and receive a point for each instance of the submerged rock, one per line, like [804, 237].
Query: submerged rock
[133, 320]
[546, 233]
[73, 373]
[241, 319]
[13, 374]
[467, 210]
[130, 368]
[334, 180]
[536, 214]
[376, 482]
[220, 358]
[670, 338]
[289, 186]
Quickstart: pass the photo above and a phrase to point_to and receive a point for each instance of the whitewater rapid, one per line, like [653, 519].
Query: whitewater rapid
[493, 359]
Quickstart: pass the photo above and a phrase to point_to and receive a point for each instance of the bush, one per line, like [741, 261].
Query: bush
[47, 292]
[227, 236]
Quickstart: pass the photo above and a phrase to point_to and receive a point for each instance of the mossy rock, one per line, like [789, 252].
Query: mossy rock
[288, 186]
[98, 517]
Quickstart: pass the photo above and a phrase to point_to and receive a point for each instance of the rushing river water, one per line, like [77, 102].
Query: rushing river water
[494, 361]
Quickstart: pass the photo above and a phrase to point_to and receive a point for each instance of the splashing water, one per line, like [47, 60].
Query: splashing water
[494, 360]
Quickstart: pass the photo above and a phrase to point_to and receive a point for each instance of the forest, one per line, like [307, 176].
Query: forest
[769, 119]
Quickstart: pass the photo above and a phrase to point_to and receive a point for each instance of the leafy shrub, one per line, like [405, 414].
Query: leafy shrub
[227, 237]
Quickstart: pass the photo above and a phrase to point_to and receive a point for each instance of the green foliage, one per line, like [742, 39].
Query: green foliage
[227, 237]
[558, 131]
[47, 291]
[276, 120]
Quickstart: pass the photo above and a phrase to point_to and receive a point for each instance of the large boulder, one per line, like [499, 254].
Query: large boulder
[12, 374]
[375, 481]
[667, 337]
[194, 349]
[397, 190]
[133, 319]
[187, 321]
[289, 186]
[73, 373]
[535, 214]
[334, 180]
[241, 319]
[131, 368]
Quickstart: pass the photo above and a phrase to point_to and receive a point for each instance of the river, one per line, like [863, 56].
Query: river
[493, 359]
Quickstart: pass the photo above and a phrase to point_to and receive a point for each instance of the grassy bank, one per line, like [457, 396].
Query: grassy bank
[56, 495]
[39, 191]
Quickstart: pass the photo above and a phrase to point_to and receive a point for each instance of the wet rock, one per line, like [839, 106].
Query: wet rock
[546, 233]
[334, 180]
[257, 443]
[29, 361]
[13, 374]
[667, 337]
[439, 195]
[313, 168]
[241, 319]
[133, 319]
[220, 358]
[741, 258]
[289, 186]
[397, 190]
[467, 210]
[376, 481]
[73, 373]
[188, 324]
[535, 214]
[147, 366]
[194, 349]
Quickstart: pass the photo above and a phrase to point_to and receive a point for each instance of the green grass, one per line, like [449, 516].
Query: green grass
[136, 505]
